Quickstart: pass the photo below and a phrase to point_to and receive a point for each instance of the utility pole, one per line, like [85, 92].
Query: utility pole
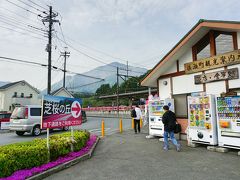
[65, 54]
[50, 18]
[117, 92]
[127, 70]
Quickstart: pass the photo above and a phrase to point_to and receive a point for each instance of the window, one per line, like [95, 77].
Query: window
[10, 107]
[202, 47]
[35, 112]
[22, 94]
[224, 43]
[15, 94]
[31, 96]
[181, 104]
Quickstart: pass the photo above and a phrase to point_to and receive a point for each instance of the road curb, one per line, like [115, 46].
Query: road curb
[65, 165]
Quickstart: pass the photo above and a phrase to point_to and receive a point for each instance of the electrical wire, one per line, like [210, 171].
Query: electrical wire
[27, 34]
[86, 84]
[53, 67]
[23, 8]
[104, 53]
[93, 58]
[20, 23]
[29, 5]
[19, 15]
[37, 5]
[15, 26]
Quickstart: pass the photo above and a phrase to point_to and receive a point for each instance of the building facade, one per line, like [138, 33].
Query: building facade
[18, 93]
[206, 59]
[62, 92]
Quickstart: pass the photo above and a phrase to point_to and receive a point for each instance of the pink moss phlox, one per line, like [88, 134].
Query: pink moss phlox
[23, 174]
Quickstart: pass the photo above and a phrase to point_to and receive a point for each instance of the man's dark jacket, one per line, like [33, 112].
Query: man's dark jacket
[169, 121]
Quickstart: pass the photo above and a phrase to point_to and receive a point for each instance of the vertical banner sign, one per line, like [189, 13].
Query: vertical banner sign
[60, 111]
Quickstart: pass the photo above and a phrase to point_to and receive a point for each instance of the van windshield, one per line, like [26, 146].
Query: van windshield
[18, 113]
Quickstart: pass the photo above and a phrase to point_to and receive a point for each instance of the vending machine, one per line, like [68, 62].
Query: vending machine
[228, 121]
[202, 125]
[155, 106]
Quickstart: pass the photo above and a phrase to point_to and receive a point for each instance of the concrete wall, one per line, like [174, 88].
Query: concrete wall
[185, 84]
[236, 82]
[215, 88]
[185, 58]
[1, 101]
[171, 69]
[164, 90]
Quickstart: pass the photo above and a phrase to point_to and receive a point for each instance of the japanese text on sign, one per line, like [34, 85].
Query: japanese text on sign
[60, 112]
[56, 108]
[216, 76]
[213, 62]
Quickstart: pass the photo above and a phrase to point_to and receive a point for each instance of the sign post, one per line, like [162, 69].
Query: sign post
[60, 112]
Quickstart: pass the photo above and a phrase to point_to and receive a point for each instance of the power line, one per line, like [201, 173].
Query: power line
[21, 22]
[86, 84]
[31, 6]
[22, 33]
[38, 5]
[19, 15]
[24, 8]
[104, 53]
[93, 58]
[45, 65]
[20, 27]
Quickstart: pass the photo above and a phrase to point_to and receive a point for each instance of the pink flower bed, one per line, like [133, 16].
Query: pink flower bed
[23, 174]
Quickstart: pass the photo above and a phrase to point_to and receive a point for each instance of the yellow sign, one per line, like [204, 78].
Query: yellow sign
[213, 62]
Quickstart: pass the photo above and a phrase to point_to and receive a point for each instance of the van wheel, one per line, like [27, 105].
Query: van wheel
[20, 133]
[66, 128]
[36, 131]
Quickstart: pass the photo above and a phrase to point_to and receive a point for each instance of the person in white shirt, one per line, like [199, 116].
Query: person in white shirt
[137, 119]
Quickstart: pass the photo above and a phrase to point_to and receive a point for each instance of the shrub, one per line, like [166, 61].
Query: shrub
[21, 156]
[24, 155]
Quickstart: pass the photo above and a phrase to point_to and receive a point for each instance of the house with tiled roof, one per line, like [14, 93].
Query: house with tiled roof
[18, 93]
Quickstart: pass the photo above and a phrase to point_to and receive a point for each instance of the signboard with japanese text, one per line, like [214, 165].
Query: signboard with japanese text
[214, 62]
[60, 111]
[217, 76]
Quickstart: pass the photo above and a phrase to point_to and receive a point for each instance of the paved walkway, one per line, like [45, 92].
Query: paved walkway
[130, 156]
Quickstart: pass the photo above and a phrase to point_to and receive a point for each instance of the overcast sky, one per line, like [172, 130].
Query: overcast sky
[137, 31]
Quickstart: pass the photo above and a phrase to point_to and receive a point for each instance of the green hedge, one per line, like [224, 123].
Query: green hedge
[24, 155]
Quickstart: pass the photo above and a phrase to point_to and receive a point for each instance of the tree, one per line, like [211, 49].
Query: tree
[103, 89]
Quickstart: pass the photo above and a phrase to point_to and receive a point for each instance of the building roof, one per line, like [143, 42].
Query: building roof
[127, 94]
[200, 29]
[60, 89]
[9, 85]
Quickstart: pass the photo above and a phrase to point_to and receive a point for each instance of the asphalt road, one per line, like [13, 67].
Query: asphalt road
[93, 125]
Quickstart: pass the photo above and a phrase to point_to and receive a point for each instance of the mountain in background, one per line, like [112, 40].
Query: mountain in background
[108, 72]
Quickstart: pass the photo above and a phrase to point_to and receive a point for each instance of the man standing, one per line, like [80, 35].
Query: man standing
[169, 121]
[137, 119]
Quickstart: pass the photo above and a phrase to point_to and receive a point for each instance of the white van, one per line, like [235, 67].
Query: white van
[27, 119]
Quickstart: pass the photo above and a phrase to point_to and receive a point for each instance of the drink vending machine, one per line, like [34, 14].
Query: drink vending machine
[155, 106]
[228, 121]
[202, 125]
